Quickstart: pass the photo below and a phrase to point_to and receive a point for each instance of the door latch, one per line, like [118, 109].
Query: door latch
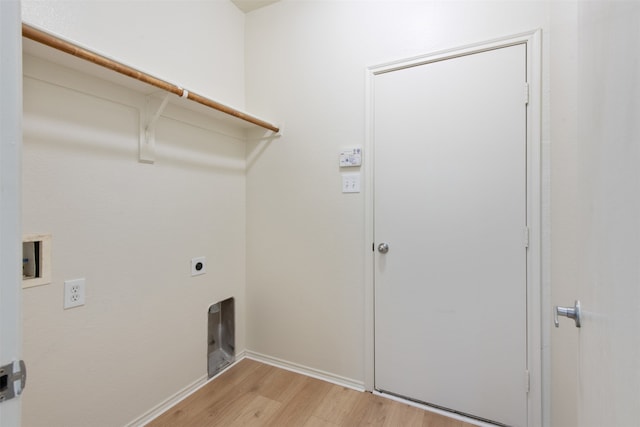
[13, 378]
[574, 313]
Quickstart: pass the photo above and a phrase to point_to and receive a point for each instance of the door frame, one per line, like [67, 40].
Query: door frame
[538, 218]
[10, 198]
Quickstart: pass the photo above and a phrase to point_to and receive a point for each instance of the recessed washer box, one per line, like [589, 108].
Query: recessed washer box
[36, 260]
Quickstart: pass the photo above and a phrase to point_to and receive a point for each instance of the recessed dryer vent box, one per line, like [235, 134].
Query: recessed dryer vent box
[36, 260]
[221, 350]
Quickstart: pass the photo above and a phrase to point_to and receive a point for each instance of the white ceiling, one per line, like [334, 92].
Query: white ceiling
[249, 5]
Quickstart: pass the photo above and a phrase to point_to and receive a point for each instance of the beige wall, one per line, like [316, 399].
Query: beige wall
[130, 229]
[306, 66]
[305, 240]
[565, 230]
[196, 44]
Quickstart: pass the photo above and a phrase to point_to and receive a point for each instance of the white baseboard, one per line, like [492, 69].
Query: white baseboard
[162, 407]
[304, 370]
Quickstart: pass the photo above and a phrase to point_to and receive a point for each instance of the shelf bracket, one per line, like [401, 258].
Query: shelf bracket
[149, 115]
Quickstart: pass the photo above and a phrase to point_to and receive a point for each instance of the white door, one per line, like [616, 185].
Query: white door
[607, 355]
[10, 232]
[450, 202]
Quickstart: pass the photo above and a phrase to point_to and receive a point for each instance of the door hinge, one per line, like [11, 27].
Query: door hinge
[526, 93]
[527, 381]
[526, 237]
[13, 378]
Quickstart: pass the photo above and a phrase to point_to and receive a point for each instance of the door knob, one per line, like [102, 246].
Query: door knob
[574, 313]
[383, 248]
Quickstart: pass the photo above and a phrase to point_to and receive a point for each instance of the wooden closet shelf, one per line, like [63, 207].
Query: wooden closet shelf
[70, 48]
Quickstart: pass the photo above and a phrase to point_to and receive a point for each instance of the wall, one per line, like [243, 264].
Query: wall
[196, 44]
[609, 134]
[306, 240]
[562, 398]
[130, 229]
[305, 65]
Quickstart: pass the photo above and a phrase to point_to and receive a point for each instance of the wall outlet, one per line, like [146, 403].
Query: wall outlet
[198, 266]
[73, 293]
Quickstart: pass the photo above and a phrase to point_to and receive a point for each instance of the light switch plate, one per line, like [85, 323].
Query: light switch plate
[350, 182]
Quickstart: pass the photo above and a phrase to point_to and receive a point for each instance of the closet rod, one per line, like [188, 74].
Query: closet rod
[57, 43]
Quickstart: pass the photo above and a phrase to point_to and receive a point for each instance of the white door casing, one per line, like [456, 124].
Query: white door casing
[10, 195]
[406, 170]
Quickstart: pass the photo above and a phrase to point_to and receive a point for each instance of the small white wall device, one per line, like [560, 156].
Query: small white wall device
[351, 157]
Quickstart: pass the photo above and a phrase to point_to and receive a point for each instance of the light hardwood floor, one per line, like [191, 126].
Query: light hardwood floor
[254, 394]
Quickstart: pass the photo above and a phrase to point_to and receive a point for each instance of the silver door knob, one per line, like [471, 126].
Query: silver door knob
[574, 313]
[383, 248]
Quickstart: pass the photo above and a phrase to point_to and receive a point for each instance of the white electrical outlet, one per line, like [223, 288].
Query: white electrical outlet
[73, 293]
[198, 266]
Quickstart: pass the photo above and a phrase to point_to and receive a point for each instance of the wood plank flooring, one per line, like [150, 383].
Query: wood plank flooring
[254, 394]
